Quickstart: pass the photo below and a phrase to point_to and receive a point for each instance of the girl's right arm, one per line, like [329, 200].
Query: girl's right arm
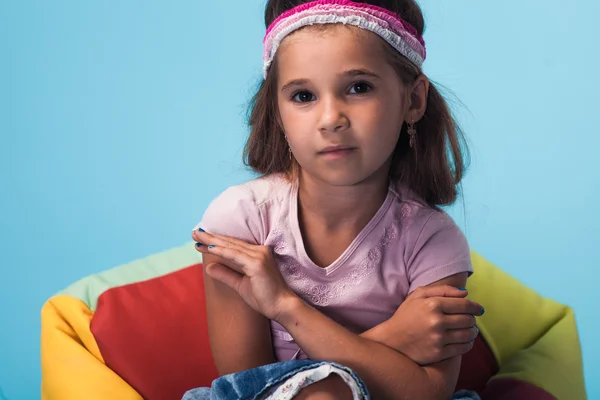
[240, 338]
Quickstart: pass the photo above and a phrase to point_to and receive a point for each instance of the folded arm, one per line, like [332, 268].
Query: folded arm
[435, 323]
[387, 373]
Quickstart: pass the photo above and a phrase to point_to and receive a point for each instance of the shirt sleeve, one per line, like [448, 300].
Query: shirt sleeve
[234, 213]
[441, 250]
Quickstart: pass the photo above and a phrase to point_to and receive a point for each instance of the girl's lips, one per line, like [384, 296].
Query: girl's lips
[330, 149]
[336, 152]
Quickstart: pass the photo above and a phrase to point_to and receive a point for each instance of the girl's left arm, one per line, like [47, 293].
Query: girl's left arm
[387, 373]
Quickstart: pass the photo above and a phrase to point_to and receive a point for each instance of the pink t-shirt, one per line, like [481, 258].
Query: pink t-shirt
[405, 245]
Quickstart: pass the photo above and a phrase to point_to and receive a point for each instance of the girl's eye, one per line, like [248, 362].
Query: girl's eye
[303, 97]
[360, 88]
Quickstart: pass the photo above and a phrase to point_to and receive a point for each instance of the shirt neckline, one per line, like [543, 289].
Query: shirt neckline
[306, 261]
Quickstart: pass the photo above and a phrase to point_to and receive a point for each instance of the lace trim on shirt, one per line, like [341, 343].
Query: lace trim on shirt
[322, 295]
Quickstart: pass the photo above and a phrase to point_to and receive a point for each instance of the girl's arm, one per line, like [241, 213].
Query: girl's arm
[240, 338]
[434, 323]
[387, 373]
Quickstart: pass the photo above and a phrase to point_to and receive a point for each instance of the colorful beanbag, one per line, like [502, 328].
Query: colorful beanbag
[139, 331]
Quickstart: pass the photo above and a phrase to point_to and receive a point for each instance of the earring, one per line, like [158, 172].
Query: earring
[289, 148]
[411, 133]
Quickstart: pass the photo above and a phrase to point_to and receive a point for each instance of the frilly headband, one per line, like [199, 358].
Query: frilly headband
[391, 27]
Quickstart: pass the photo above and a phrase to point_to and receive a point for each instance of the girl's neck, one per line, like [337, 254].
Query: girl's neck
[336, 207]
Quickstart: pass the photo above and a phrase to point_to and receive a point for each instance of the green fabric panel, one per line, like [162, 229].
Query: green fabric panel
[534, 338]
[90, 288]
[553, 363]
[515, 316]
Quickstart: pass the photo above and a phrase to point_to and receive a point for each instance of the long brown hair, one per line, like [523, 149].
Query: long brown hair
[432, 169]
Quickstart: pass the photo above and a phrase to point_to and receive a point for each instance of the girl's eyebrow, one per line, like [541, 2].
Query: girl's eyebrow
[351, 73]
[294, 82]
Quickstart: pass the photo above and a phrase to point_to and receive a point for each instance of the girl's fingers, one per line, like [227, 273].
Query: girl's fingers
[225, 275]
[455, 350]
[242, 262]
[460, 306]
[461, 336]
[208, 238]
[234, 258]
[458, 321]
[235, 254]
[424, 292]
[207, 241]
[227, 262]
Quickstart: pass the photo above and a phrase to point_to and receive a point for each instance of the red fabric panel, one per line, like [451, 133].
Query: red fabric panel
[154, 334]
[477, 367]
[514, 389]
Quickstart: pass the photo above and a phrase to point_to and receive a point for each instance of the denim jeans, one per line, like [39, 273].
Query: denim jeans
[283, 380]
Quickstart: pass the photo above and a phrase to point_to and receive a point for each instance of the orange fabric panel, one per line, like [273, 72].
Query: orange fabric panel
[72, 367]
[154, 334]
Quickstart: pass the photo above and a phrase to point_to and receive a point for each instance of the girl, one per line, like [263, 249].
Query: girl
[339, 251]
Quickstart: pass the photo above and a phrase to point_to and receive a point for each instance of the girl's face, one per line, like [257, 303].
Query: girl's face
[341, 104]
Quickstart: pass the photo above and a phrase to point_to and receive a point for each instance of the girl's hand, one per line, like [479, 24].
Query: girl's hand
[248, 269]
[439, 323]
[433, 324]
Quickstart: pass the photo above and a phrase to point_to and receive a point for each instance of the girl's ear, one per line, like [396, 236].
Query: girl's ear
[419, 90]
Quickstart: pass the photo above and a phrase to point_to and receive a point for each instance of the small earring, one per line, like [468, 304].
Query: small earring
[411, 133]
[289, 148]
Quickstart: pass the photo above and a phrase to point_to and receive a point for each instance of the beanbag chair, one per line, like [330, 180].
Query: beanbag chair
[138, 331]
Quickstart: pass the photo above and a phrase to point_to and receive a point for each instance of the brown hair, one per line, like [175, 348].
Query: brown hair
[433, 168]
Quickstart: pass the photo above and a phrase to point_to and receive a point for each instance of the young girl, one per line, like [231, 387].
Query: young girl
[339, 251]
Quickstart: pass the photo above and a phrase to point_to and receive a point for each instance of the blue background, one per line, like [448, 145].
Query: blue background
[120, 121]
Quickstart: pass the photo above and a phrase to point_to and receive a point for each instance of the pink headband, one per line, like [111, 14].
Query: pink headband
[398, 33]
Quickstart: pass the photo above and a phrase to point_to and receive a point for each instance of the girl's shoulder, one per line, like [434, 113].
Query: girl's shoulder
[406, 195]
[246, 211]
[409, 203]
[434, 245]
[413, 211]
[258, 191]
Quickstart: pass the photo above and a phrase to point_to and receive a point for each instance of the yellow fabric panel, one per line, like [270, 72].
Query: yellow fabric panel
[72, 366]
[532, 337]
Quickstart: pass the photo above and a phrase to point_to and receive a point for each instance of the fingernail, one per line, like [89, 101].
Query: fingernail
[199, 244]
[482, 310]
[462, 288]
[201, 230]
[212, 246]
[477, 329]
